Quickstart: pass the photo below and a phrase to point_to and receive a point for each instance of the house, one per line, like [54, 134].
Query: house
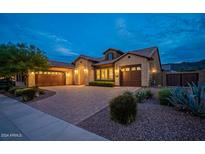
[133, 68]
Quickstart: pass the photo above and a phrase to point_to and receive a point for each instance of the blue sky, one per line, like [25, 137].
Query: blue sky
[180, 37]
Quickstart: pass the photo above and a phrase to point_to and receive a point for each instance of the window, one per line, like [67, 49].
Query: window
[98, 74]
[110, 56]
[104, 74]
[133, 69]
[127, 69]
[138, 68]
[110, 72]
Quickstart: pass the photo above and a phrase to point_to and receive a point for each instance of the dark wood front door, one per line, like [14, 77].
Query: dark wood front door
[50, 79]
[130, 75]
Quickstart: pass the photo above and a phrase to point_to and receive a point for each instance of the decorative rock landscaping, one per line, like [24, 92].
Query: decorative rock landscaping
[153, 122]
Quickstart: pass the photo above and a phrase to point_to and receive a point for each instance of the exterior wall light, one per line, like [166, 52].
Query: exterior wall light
[85, 70]
[154, 70]
[76, 71]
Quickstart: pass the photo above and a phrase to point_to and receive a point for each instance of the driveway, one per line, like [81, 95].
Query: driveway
[76, 103]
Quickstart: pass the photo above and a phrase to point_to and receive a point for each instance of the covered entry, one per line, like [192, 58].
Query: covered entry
[50, 78]
[130, 75]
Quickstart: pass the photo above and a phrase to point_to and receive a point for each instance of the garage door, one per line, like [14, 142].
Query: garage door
[130, 76]
[50, 79]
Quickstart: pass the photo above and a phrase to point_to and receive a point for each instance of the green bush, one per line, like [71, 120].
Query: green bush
[4, 87]
[143, 95]
[163, 96]
[28, 94]
[123, 108]
[13, 89]
[101, 83]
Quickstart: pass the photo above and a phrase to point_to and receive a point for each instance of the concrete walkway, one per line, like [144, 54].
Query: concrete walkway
[22, 122]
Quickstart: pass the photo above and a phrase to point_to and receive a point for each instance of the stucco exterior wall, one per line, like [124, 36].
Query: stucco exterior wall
[133, 60]
[155, 71]
[31, 79]
[84, 72]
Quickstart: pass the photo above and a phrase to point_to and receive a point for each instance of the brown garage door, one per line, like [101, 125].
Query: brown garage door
[50, 79]
[130, 75]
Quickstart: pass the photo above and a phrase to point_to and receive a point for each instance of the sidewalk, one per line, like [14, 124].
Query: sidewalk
[22, 122]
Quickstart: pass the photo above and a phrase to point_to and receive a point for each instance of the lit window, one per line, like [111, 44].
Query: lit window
[98, 74]
[122, 69]
[127, 69]
[133, 69]
[110, 72]
[138, 68]
[104, 74]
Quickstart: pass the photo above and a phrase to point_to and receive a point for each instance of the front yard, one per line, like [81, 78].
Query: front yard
[153, 122]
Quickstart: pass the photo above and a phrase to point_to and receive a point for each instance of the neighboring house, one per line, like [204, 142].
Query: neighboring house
[133, 68]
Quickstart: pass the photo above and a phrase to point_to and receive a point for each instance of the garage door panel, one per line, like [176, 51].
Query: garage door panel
[50, 79]
[130, 76]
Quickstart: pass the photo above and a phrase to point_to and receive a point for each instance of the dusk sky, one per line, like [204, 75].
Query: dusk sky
[180, 37]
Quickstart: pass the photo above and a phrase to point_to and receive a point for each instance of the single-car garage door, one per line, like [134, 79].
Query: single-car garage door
[130, 75]
[50, 79]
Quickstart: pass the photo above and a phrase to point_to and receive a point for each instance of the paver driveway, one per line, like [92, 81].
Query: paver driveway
[76, 103]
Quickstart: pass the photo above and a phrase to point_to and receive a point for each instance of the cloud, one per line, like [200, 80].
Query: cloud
[66, 52]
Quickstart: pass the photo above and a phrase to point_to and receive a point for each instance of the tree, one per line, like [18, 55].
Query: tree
[20, 58]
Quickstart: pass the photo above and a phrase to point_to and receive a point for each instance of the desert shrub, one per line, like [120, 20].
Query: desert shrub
[143, 95]
[13, 89]
[123, 108]
[163, 96]
[196, 99]
[101, 83]
[18, 92]
[179, 98]
[28, 94]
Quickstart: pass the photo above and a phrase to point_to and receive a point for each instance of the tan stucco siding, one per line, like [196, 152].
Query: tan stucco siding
[31, 79]
[133, 60]
[84, 71]
[155, 63]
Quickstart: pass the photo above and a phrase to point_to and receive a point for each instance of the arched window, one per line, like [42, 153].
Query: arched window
[110, 56]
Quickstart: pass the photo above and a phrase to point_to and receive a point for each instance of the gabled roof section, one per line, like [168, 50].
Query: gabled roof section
[113, 49]
[60, 64]
[88, 58]
[104, 62]
[147, 52]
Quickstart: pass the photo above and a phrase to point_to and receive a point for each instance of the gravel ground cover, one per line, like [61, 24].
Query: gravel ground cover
[154, 122]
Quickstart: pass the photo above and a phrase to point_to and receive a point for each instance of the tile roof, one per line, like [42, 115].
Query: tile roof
[147, 52]
[60, 64]
[104, 62]
[89, 58]
[117, 50]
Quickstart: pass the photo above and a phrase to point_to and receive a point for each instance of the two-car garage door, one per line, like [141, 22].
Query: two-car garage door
[50, 78]
[130, 75]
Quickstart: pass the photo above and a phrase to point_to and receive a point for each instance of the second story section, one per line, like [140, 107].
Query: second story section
[112, 53]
